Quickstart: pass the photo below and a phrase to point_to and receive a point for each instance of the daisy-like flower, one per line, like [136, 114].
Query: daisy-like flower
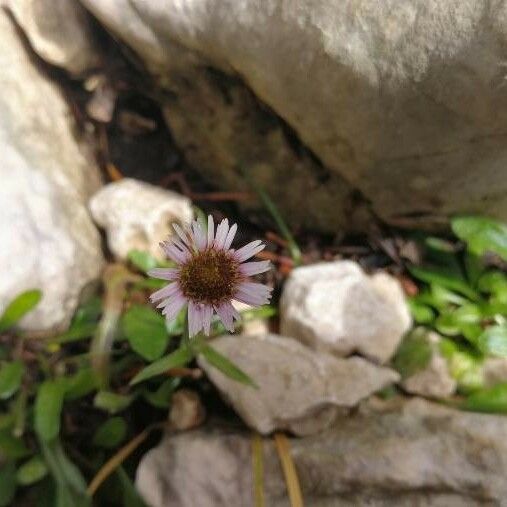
[209, 275]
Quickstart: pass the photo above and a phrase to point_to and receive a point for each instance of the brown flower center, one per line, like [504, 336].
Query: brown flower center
[209, 277]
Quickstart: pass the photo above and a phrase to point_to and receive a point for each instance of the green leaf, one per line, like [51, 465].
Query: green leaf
[7, 483]
[494, 282]
[226, 366]
[12, 447]
[464, 366]
[78, 331]
[440, 276]
[161, 398]
[146, 331]
[473, 267]
[81, 384]
[492, 400]
[143, 261]
[421, 313]
[112, 402]
[493, 341]
[48, 409]
[443, 297]
[180, 357]
[11, 375]
[131, 497]
[111, 433]
[413, 355]
[446, 324]
[70, 485]
[90, 311]
[482, 234]
[19, 307]
[31, 471]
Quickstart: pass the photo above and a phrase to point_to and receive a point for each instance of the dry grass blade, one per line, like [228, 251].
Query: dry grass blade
[258, 471]
[115, 461]
[289, 470]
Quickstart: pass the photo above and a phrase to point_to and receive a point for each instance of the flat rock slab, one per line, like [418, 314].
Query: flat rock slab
[298, 389]
[336, 307]
[406, 454]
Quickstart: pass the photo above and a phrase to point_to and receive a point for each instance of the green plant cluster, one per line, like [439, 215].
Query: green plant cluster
[70, 402]
[463, 297]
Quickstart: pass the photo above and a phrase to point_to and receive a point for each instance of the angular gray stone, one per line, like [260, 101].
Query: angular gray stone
[299, 389]
[397, 454]
[336, 307]
[48, 239]
[403, 101]
[59, 31]
[137, 215]
[434, 380]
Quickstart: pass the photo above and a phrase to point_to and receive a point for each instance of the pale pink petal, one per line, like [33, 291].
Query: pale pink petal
[164, 273]
[183, 234]
[249, 250]
[254, 268]
[200, 237]
[194, 318]
[226, 315]
[230, 236]
[174, 307]
[165, 292]
[175, 253]
[211, 231]
[221, 235]
[254, 294]
[207, 313]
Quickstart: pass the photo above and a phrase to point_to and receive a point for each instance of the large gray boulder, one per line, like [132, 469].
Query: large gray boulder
[410, 454]
[405, 101]
[48, 239]
[298, 389]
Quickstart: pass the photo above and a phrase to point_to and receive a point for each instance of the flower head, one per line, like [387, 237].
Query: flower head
[209, 275]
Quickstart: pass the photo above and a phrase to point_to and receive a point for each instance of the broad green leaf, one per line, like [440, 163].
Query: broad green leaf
[111, 433]
[161, 398]
[493, 309]
[447, 324]
[48, 409]
[19, 307]
[464, 366]
[143, 261]
[482, 234]
[494, 282]
[440, 276]
[31, 471]
[226, 366]
[112, 402]
[11, 375]
[146, 331]
[7, 483]
[473, 267]
[413, 355]
[467, 314]
[443, 297]
[12, 447]
[493, 400]
[131, 497]
[422, 314]
[493, 341]
[82, 383]
[178, 358]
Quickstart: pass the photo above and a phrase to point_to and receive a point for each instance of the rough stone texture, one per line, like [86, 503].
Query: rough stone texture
[59, 31]
[138, 215]
[415, 454]
[403, 100]
[434, 380]
[336, 307]
[48, 239]
[299, 389]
